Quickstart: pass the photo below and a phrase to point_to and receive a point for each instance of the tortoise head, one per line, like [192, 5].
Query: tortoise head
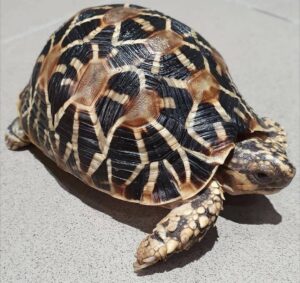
[258, 164]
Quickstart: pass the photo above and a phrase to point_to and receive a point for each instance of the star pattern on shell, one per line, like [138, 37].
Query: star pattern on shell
[135, 104]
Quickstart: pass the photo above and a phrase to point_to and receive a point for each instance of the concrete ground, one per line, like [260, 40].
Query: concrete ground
[55, 229]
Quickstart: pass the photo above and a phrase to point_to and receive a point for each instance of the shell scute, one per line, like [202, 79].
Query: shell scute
[79, 32]
[135, 104]
[88, 143]
[90, 13]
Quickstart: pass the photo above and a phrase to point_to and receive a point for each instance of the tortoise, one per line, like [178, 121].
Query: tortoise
[140, 106]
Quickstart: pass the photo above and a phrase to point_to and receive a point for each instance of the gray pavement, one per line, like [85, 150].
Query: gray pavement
[55, 229]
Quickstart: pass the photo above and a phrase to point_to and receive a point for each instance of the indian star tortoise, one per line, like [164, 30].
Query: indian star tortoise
[138, 105]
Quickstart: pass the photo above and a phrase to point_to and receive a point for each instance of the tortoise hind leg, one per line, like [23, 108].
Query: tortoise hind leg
[15, 137]
[182, 227]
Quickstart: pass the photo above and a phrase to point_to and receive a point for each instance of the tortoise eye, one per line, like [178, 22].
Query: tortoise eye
[262, 177]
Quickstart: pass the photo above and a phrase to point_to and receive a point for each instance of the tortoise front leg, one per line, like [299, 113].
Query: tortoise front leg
[182, 227]
[15, 137]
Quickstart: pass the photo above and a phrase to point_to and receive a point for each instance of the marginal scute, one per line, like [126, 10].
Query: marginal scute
[48, 66]
[221, 65]
[203, 86]
[187, 189]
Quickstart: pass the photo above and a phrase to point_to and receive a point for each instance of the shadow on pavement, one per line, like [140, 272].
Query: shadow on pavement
[135, 215]
[251, 209]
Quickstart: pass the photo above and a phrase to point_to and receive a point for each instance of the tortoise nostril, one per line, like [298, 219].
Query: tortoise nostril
[293, 171]
[288, 176]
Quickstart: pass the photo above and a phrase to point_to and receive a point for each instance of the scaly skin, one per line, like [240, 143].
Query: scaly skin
[182, 227]
[15, 137]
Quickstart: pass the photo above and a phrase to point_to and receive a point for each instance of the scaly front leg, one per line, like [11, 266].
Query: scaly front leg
[182, 227]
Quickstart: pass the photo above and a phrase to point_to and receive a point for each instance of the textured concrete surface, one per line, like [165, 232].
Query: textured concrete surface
[55, 229]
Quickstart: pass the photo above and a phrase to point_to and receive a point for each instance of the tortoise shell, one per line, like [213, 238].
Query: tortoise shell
[134, 103]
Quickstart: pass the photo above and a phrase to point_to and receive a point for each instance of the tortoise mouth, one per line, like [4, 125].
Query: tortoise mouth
[258, 191]
[267, 191]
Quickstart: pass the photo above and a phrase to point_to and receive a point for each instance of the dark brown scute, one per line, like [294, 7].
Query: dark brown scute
[131, 30]
[124, 142]
[157, 148]
[125, 83]
[108, 112]
[60, 33]
[57, 92]
[79, 32]
[194, 56]
[65, 128]
[171, 67]
[179, 27]
[182, 98]
[166, 187]
[220, 61]
[123, 163]
[87, 140]
[201, 170]
[100, 177]
[157, 22]
[135, 189]
[103, 40]
[130, 54]
[90, 12]
[82, 52]
[177, 163]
